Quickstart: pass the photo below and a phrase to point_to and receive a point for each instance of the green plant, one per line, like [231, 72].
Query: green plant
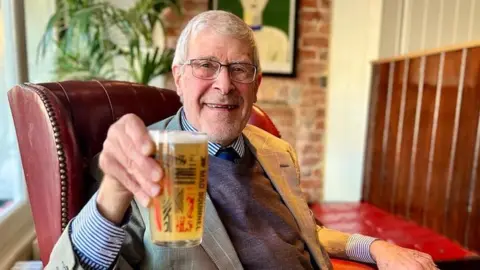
[91, 37]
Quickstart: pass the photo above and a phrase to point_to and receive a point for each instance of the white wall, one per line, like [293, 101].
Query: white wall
[354, 42]
[427, 24]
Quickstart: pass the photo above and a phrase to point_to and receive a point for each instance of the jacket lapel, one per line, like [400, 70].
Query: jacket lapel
[215, 241]
[281, 171]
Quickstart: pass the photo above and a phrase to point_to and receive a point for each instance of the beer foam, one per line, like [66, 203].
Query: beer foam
[177, 137]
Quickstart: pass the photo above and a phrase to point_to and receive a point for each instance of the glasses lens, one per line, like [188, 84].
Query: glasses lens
[208, 69]
[242, 72]
[205, 69]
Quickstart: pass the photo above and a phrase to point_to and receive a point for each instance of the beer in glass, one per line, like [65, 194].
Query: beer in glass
[177, 213]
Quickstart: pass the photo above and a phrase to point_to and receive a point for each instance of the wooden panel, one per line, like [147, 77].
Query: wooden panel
[418, 183]
[401, 190]
[376, 140]
[374, 93]
[472, 233]
[458, 190]
[423, 148]
[403, 76]
[436, 199]
[416, 129]
[433, 137]
[390, 143]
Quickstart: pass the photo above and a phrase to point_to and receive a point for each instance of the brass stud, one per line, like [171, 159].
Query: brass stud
[55, 128]
[62, 164]
[60, 152]
[64, 215]
[57, 140]
[62, 171]
[64, 204]
[56, 134]
[64, 225]
[59, 146]
[63, 176]
[61, 158]
[63, 199]
[50, 113]
[63, 194]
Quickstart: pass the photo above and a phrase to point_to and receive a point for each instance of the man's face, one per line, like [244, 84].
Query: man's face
[219, 107]
[254, 6]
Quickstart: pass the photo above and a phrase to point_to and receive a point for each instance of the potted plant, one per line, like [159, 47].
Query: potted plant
[95, 39]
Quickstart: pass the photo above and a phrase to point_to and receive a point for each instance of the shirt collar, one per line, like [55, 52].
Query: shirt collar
[238, 144]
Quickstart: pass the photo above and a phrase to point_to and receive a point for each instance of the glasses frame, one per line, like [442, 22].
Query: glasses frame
[189, 63]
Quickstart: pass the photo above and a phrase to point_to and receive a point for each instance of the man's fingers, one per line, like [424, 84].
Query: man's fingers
[423, 260]
[148, 186]
[144, 168]
[136, 130]
[424, 255]
[118, 172]
[410, 260]
[426, 261]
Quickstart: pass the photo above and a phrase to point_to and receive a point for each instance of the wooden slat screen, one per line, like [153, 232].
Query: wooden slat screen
[423, 142]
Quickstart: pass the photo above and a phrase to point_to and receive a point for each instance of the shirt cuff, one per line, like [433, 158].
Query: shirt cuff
[96, 241]
[358, 248]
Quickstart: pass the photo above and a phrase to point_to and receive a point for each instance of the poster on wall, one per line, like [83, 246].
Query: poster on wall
[274, 25]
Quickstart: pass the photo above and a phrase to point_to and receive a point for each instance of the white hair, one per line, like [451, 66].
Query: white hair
[223, 23]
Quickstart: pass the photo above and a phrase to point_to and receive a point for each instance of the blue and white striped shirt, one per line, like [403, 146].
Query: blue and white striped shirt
[97, 241]
[238, 145]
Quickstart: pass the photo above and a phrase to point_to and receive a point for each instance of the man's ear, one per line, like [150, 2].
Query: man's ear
[177, 74]
[257, 85]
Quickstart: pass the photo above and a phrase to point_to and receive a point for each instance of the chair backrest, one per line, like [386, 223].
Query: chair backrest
[60, 126]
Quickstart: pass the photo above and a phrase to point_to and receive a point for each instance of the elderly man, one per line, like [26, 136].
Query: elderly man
[256, 216]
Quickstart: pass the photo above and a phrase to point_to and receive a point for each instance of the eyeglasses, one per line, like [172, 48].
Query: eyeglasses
[207, 69]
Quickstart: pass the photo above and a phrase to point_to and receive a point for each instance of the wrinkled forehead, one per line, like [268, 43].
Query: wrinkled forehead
[207, 43]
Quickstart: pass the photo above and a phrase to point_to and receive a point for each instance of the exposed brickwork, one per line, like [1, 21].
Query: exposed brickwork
[296, 105]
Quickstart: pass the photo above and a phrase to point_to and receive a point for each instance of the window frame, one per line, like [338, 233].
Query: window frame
[16, 221]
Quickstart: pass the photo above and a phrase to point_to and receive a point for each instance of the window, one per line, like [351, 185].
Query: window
[16, 224]
[11, 173]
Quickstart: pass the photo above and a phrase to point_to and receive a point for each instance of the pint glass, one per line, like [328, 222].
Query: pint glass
[176, 214]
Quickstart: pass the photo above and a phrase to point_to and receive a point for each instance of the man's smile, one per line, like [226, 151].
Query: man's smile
[221, 106]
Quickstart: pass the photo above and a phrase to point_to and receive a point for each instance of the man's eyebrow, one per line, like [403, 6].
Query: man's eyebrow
[246, 61]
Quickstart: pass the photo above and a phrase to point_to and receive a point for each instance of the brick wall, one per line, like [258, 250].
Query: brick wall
[296, 105]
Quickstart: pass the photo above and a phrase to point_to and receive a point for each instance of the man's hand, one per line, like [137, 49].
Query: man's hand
[128, 169]
[390, 256]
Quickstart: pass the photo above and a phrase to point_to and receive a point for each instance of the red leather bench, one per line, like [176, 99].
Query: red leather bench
[370, 220]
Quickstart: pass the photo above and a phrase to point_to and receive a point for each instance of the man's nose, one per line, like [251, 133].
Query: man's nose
[223, 82]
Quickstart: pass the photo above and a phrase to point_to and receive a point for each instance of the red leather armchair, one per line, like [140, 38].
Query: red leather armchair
[61, 125]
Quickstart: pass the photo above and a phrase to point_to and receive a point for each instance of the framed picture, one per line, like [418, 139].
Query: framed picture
[274, 24]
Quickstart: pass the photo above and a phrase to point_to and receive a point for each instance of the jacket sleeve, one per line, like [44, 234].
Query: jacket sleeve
[66, 255]
[338, 244]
